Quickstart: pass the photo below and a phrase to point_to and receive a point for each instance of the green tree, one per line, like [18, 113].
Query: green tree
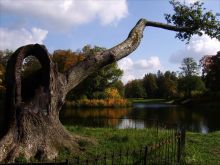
[150, 85]
[170, 84]
[187, 85]
[135, 89]
[167, 84]
[189, 80]
[160, 84]
[195, 18]
[94, 85]
[30, 65]
[189, 67]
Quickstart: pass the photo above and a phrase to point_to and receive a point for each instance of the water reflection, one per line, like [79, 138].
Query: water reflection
[129, 123]
[197, 120]
[203, 127]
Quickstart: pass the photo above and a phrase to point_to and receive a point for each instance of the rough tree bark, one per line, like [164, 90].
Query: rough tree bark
[33, 104]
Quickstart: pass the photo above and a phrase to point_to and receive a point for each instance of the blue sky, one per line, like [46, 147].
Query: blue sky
[71, 24]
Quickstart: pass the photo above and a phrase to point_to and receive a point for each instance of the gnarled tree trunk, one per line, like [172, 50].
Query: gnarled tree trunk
[33, 104]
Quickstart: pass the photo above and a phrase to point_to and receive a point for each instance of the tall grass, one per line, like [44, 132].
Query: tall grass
[110, 102]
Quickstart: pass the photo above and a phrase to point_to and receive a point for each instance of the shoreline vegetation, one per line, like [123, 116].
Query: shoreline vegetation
[113, 102]
[200, 148]
[99, 103]
[123, 102]
[152, 101]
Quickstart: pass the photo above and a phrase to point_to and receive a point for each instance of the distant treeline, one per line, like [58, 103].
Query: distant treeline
[187, 83]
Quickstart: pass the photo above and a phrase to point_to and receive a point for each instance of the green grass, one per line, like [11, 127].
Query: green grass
[200, 148]
[203, 148]
[110, 139]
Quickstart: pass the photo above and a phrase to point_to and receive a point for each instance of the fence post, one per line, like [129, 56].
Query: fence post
[113, 156]
[145, 155]
[78, 160]
[67, 161]
[157, 126]
[183, 138]
[178, 146]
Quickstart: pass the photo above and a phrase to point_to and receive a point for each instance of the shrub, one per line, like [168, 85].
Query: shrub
[111, 102]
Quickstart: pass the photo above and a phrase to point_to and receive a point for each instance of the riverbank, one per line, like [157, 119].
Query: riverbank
[208, 100]
[151, 101]
[201, 102]
[113, 102]
[99, 103]
[122, 102]
[200, 148]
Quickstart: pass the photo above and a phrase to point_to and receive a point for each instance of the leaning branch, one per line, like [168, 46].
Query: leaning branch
[79, 72]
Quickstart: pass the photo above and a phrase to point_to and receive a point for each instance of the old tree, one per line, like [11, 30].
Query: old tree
[33, 104]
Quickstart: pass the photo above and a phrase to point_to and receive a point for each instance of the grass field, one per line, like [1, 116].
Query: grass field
[203, 149]
[200, 148]
[110, 139]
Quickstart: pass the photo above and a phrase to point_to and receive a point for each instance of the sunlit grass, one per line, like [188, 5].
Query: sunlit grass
[203, 148]
[111, 139]
[200, 148]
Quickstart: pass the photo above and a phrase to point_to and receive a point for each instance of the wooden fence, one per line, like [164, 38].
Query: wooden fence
[168, 151]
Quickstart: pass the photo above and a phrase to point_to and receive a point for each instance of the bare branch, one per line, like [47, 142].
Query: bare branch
[168, 26]
[93, 63]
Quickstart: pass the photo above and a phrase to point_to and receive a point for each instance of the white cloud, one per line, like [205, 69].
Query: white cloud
[68, 13]
[137, 69]
[197, 48]
[12, 39]
[189, 1]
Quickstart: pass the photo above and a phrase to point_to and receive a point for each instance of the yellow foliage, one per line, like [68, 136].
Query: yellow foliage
[65, 59]
[112, 93]
[111, 102]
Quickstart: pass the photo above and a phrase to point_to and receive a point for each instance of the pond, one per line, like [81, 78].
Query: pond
[202, 120]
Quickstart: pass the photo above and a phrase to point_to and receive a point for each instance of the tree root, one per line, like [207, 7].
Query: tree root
[38, 138]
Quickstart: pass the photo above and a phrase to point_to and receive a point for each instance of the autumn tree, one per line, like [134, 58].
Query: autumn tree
[211, 71]
[4, 56]
[33, 126]
[112, 93]
[120, 87]
[65, 59]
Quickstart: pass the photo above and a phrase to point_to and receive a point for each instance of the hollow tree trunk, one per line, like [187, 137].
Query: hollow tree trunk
[33, 104]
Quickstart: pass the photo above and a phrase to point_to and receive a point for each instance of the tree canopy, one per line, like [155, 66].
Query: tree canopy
[94, 86]
[189, 67]
[211, 71]
[196, 18]
[189, 80]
